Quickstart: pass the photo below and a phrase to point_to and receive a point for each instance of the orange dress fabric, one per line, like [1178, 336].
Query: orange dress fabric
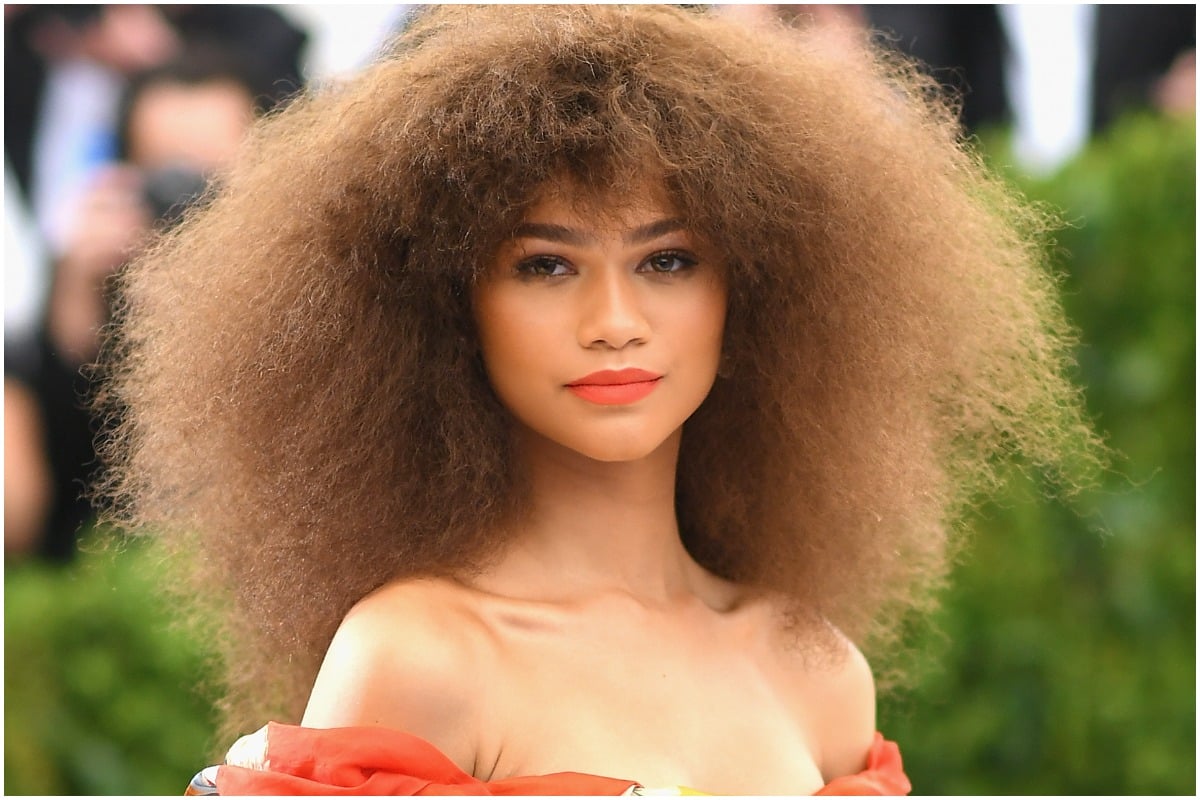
[380, 761]
[884, 774]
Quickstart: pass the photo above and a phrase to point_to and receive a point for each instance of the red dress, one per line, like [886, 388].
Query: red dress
[290, 760]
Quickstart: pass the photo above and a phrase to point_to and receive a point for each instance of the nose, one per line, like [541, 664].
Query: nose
[611, 312]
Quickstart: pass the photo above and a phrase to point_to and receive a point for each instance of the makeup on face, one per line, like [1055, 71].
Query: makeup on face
[615, 387]
[601, 327]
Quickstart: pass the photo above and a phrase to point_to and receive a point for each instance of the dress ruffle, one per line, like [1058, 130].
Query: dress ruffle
[291, 760]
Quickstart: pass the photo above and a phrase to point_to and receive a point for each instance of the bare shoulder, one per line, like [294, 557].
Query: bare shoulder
[406, 657]
[832, 689]
[844, 709]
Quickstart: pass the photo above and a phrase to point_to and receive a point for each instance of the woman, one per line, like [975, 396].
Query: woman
[570, 391]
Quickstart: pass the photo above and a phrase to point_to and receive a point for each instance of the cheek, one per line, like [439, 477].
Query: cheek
[511, 335]
[704, 320]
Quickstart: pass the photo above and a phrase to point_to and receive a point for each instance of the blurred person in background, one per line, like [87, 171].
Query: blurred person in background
[66, 66]
[112, 115]
[1145, 58]
[65, 69]
[178, 125]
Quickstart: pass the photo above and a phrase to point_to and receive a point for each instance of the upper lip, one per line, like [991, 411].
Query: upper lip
[611, 377]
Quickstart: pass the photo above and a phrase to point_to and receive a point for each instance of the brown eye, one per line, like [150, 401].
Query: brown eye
[544, 267]
[670, 261]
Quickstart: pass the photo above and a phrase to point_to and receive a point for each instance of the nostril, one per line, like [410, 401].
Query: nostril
[613, 323]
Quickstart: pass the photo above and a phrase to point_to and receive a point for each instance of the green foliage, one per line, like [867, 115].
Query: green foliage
[99, 690]
[1066, 660]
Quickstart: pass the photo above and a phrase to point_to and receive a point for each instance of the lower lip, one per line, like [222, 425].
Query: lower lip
[615, 394]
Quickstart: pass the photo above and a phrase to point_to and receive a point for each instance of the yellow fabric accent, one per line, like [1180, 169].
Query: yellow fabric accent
[667, 791]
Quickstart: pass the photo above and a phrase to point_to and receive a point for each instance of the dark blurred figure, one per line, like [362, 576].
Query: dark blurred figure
[964, 46]
[270, 47]
[65, 67]
[1145, 57]
[115, 114]
[64, 70]
[180, 124]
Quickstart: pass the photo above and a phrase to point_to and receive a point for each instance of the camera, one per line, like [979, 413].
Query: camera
[169, 191]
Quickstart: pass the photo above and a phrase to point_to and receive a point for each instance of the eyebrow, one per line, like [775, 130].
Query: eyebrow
[561, 233]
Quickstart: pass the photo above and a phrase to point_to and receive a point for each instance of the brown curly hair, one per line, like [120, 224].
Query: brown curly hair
[300, 411]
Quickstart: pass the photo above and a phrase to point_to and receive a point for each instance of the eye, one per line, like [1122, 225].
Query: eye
[544, 267]
[669, 261]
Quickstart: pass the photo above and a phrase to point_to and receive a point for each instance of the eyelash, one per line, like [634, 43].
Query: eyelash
[529, 267]
[532, 267]
[686, 261]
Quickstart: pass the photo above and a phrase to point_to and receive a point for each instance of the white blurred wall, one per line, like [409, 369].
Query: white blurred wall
[1048, 79]
[343, 37]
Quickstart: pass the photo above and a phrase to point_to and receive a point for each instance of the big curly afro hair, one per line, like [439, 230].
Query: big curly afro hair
[299, 414]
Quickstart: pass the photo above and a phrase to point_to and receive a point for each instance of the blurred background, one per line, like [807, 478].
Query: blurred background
[1063, 658]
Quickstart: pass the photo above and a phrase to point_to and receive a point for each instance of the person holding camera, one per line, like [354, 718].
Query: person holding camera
[180, 123]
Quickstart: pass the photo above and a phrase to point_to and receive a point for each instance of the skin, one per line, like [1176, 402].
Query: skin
[197, 125]
[27, 486]
[567, 298]
[596, 644]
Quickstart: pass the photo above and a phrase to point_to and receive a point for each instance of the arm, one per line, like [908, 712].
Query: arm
[844, 703]
[28, 486]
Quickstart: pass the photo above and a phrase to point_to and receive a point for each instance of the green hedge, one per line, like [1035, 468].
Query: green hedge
[1065, 662]
[101, 692]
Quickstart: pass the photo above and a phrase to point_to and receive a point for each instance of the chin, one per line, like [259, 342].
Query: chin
[604, 446]
[613, 447]
[618, 455]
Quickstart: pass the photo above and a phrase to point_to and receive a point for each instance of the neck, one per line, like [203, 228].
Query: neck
[599, 526]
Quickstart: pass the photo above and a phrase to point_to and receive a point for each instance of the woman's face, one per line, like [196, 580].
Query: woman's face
[602, 332]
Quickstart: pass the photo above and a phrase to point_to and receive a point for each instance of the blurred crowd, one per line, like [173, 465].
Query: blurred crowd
[118, 116]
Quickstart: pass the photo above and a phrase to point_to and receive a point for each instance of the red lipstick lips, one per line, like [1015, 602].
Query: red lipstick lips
[615, 387]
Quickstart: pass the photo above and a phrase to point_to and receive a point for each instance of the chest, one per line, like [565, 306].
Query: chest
[712, 718]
